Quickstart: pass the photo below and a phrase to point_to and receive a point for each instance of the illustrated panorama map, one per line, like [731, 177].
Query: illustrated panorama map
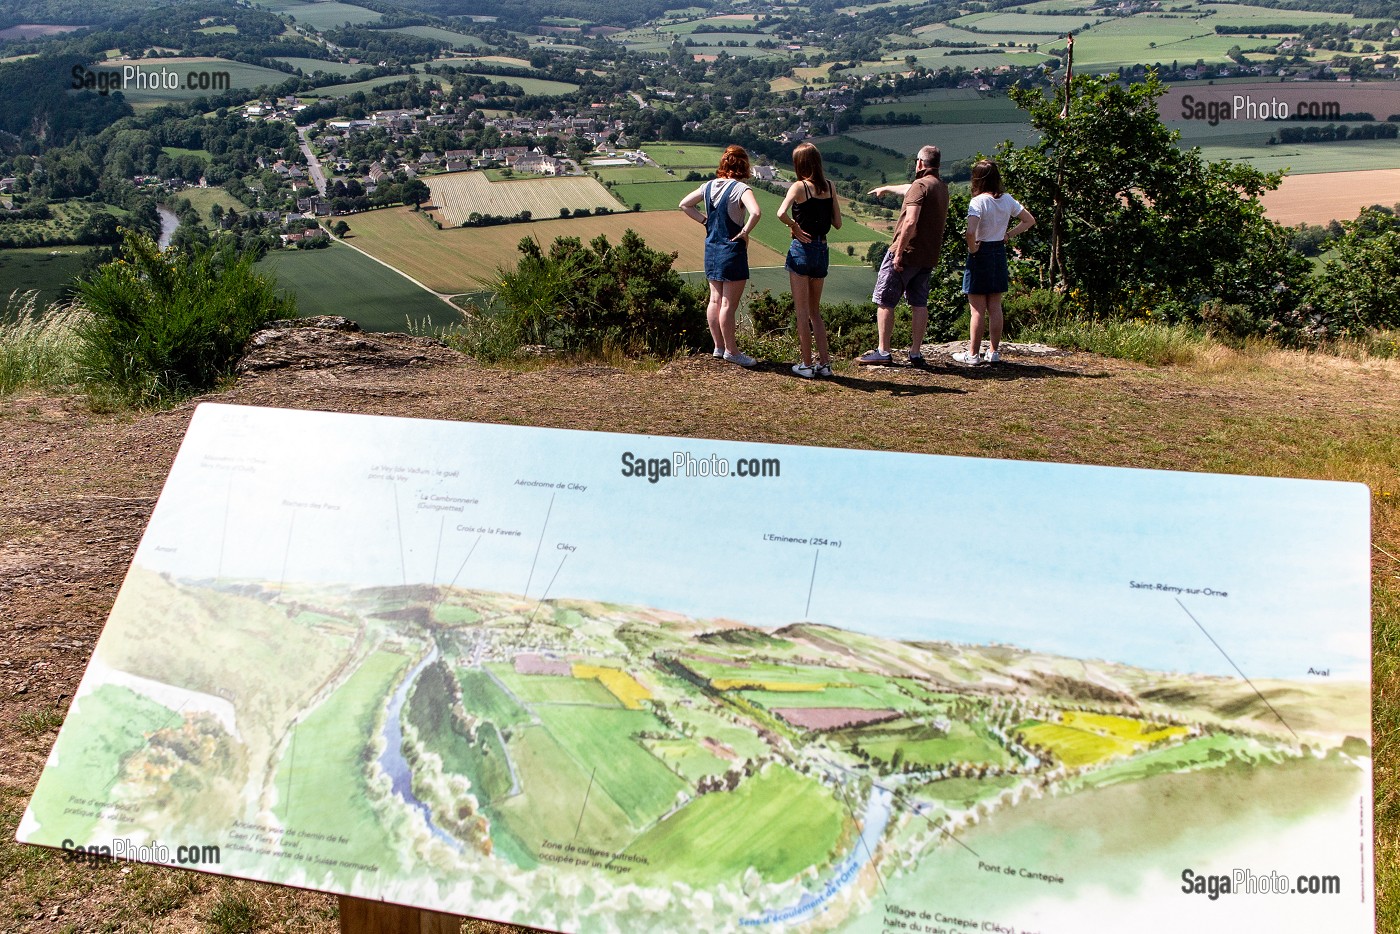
[597, 682]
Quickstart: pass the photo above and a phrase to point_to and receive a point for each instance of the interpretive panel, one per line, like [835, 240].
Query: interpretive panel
[602, 682]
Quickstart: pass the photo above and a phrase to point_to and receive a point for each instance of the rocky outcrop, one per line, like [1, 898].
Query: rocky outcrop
[329, 342]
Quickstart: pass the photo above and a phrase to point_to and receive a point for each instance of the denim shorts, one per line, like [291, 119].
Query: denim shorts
[812, 260]
[891, 285]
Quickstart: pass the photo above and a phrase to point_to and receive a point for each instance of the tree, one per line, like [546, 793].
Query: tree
[875, 253]
[1142, 223]
[340, 228]
[415, 192]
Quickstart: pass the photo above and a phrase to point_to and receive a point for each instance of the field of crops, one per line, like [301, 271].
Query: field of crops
[451, 260]
[1152, 38]
[312, 65]
[555, 793]
[1316, 199]
[554, 689]
[956, 141]
[207, 77]
[204, 199]
[340, 281]
[698, 156]
[636, 173]
[482, 696]
[922, 745]
[1134, 731]
[1298, 158]
[453, 40]
[345, 90]
[321, 14]
[941, 110]
[322, 779]
[47, 270]
[542, 86]
[1018, 22]
[619, 683]
[686, 758]
[1230, 14]
[460, 194]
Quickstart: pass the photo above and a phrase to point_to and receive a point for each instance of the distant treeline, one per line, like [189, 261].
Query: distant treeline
[1335, 133]
[1378, 9]
[529, 13]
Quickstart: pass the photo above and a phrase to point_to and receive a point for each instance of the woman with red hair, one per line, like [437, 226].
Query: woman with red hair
[731, 211]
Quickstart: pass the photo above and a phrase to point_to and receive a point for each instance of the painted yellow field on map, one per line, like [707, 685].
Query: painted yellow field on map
[1080, 738]
[1134, 731]
[754, 684]
[622, 685]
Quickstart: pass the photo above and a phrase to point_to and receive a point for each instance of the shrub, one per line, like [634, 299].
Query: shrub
[587, 297]
[164, 326]
[1355, 291]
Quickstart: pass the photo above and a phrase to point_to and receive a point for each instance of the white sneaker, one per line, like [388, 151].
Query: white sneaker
[741, 358]
[967, 358]
[991, 356]
[823, 369]
[718, 352]
[804, 371]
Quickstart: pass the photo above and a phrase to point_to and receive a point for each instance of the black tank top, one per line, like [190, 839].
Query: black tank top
[814, 214]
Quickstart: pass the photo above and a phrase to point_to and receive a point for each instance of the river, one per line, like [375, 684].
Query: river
[391, 760]
[168, 225]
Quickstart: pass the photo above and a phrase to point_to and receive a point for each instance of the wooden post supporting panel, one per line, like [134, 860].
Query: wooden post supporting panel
[360, 916]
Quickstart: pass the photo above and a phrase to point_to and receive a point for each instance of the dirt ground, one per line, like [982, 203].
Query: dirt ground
[76, 490]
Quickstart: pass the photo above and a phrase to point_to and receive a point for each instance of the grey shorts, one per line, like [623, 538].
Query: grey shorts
[891, 285]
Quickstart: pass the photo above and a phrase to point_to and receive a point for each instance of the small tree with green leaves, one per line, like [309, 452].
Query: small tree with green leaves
[1141, 224]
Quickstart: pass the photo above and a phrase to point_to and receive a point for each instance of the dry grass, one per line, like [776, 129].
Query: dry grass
[76, 489]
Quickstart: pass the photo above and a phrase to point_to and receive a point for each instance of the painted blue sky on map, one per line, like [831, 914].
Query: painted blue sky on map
[1043, 556]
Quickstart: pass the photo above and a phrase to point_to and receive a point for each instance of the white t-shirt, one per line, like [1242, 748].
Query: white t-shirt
[993, 215]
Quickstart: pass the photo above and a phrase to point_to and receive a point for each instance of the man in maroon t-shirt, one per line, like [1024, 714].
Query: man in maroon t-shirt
[905, 271]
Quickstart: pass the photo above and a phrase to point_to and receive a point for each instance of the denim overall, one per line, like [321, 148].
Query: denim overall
[725, 261]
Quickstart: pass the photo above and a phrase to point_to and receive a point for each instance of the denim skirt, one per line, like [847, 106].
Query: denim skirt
[726, 261]
[986, 272]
